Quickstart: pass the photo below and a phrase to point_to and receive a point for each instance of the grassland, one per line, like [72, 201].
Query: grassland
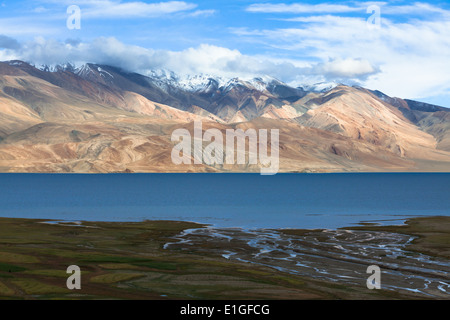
[128, 261]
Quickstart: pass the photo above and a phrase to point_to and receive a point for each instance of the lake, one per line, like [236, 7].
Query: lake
[248, 201]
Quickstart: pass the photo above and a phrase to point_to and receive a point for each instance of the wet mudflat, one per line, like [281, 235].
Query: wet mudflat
[338, 256]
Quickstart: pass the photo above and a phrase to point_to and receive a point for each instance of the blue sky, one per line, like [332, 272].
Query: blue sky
[398, 47]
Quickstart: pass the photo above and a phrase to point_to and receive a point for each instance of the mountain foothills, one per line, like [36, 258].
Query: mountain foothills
[98, 119]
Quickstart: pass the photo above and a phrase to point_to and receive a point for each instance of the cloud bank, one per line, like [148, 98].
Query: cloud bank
[204, 59]
[407, 56]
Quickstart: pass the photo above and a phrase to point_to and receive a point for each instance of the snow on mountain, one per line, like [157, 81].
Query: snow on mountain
[191, 83]
[104, 73]
[15, 63]
[320, 87]
[204, 83]
[163, 79]
[84, 70]
[57, 67]
[201, 83]
[207, 83]
[264, 82]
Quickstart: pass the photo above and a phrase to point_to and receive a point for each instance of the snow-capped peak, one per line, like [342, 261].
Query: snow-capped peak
[168, 80]
[88, 69]
[192, 83]
[56, 67]
[206, 83]
[163, 75]
[320, 87]
[84, 70]
[264, 82]
[201, 83]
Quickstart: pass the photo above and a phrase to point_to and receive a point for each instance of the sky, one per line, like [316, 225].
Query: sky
[401, 48]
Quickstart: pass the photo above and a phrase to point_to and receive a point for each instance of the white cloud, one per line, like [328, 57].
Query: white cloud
[394, 77]
[347, 68]
[419, 8]
[114, 9]
[117, 9]
[301, 8]
[406, 59]
[203, 13]
[207, 59]
[41, 10]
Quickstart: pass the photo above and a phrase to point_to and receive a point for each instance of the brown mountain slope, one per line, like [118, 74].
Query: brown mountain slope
[438, 125]
[143, 145]
[432, 119]
[357, 114]
[65, 122]
[49, 102]
[15, 116]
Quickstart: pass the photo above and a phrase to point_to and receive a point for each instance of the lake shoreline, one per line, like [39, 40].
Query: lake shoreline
[249, 201]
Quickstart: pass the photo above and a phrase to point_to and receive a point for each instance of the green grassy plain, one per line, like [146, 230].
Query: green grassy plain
[128, 261]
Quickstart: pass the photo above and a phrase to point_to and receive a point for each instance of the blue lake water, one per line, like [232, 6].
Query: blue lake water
[228, 200]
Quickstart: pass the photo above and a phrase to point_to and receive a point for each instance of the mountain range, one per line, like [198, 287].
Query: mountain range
[98, 119]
